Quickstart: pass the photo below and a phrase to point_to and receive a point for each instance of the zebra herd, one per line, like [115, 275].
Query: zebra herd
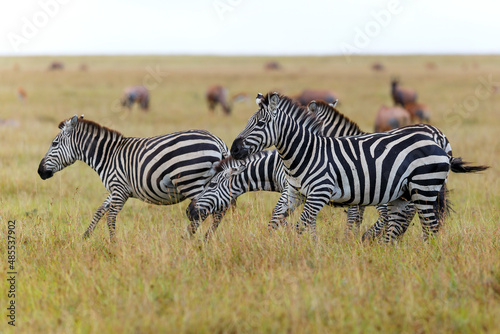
[321, 157]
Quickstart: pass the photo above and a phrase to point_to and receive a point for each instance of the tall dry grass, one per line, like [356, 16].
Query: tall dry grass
[152, 280]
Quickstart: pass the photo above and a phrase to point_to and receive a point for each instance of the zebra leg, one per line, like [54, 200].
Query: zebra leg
[288, 202]
[377, 229]
[354, 219]
[97, 216]
[116, 206]
[397, 219]
[410, 212]
[217, 217]
[428, 218]
[312, 206]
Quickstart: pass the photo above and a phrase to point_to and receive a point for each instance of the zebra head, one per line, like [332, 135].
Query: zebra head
[61, 152]
[219, 193]
[259, 132]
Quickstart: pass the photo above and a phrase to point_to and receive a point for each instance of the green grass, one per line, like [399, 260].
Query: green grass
[153, 280]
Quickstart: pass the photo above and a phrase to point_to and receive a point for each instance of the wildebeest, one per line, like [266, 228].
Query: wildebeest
[389, 118]
[56, 65]
[419, 112]
[139, 94]
[216, 94]
[309, 95]
[402, 95]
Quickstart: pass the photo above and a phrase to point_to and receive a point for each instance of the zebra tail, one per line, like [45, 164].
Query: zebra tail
[459, 166]
[443, 206]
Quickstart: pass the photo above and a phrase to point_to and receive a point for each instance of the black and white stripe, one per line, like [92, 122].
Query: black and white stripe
[161, 170]
[391, 167]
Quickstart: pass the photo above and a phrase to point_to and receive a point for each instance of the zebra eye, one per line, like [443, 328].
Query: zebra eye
[55, 143]
[261, 123]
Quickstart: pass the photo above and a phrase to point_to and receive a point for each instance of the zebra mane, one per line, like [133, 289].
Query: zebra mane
[297, 112]
[91, 125]
[232, 162]
[328, 110]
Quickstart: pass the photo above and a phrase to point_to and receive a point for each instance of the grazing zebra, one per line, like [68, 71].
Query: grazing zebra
[161, 170]
[259, 176]
[391, 167]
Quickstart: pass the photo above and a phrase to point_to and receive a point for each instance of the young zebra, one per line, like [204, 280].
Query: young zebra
[391, 167]
[259, 176]
[161, 170]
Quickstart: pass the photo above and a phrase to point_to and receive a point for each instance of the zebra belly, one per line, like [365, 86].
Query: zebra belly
[166, 193]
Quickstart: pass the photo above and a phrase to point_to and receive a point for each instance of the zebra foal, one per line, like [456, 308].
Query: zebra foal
[161, 170]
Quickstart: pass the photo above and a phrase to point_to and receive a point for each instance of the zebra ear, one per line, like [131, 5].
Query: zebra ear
[312, 106]
[334, 104]
[70, 124]
[273, 103]
[259, 99]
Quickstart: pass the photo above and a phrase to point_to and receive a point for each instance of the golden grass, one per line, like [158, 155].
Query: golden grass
[152, 280]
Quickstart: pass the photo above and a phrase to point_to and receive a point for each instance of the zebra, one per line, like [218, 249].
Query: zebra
[260, 177]
[391, 167]
[162, 170]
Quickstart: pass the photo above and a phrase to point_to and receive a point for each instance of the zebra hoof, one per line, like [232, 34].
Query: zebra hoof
[86, 235]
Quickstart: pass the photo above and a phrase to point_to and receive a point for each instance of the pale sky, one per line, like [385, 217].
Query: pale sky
[249, 27]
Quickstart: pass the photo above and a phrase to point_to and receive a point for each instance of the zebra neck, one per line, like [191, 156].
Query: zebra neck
[97, 150]
[294, 143]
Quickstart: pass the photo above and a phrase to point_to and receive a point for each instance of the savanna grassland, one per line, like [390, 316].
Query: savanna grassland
[153, 280]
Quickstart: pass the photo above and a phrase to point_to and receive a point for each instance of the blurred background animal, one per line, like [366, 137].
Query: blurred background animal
[308, 95]
[402, 95]
[56, 66]
[217, 94]
[21, 94]
[389, 118]
[378, 67]
[139, 94]
[272, 65]
[419, 112]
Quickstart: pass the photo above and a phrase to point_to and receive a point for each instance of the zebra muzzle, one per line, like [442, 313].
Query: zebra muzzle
[238, 150]
[194, 213]
[44, 172]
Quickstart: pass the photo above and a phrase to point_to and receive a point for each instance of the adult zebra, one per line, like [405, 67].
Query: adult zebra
[160, 170]
[391, 167]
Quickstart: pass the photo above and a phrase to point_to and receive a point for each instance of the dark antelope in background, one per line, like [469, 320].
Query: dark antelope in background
[419, 112]
[139, 94]
[389, 118]
[308, 95]
[401, 95]
[217, 94]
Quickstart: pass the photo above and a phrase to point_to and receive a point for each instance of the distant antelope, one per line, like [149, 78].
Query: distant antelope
[309, 95]
[217, 94]
[21, 94]
[272, 65]
[389, 118]
[378, 67]
[419, 112]
[139, 94]
[56, 65]
[402, 95]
